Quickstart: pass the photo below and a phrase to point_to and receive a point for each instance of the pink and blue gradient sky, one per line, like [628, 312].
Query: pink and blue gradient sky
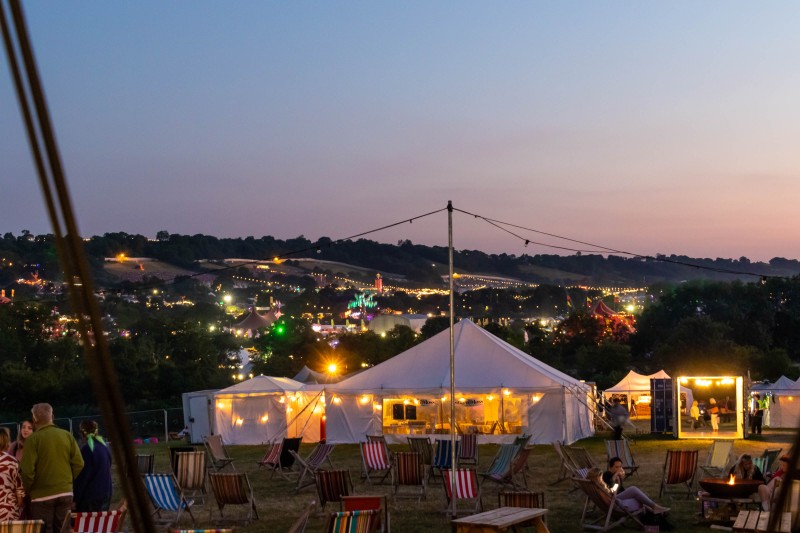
[649, 127]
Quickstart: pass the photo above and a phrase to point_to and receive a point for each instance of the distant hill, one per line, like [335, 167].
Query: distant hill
[404, 262]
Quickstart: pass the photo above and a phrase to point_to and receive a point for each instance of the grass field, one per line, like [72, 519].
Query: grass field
[278, 506]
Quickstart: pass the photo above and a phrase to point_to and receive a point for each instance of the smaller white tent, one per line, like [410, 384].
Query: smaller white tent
[265, 409]
[635, 385]
[784, 408]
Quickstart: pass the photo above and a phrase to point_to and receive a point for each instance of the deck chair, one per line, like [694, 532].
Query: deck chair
[233, 489]
[166, 495]
[521, 498]
[580, 456]
[622, 449]
[410, 472]
[516, 466]
[280, 456]
[501, 464]
[355, 521]
[272, 457]
[771, 455]
[382, 440]
[422, 446]
[680, 468]
[312, 463]
[466, 488]
[374, 458]
[468, 452]
[175, 450]
[300, 524]
[568, 467]
[22, 526]
[217, 452]
[100, 522]
[190, 472]
[332, 485]
[145, 463]
[762, 463]
[718, 459]
[443, 455]
[368, 503]
[612, 513]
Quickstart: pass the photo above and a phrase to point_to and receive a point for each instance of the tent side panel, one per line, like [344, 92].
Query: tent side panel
[348, 421]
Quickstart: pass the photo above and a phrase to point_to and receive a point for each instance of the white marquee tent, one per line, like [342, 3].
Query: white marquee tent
[634, 385]
[265, 409]
[501, 391]
[784, 409]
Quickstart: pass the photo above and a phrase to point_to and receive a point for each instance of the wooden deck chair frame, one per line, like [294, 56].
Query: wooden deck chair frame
[173, 450]
[356, 521]
[772, 455]
[516, 466]
[369, 502]
[467, 488]
[272, 456]
[422, 446]
[580, 457]
[97, 522]
[468, 452]
[680, 468]
[612, 513]
[409, 472]
[299, 525]
[313, 462]
[190, 472]
[501, 463]
[718, 459]
[233, 488]
[375, 459]
[22, 526]
[145, 463]
[217, 453]
[332, 485]
[568, 467]
[164, 489]
[622, 449]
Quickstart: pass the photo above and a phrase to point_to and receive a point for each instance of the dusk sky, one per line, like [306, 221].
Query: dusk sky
[652, 127]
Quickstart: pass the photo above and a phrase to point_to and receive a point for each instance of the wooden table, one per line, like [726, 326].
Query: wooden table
[726, 509]
[502, 519]
[757, 521]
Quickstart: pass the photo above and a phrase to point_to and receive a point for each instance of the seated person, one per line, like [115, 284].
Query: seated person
[615, 474]
[745, 469]
[631, 499]
[768, 492]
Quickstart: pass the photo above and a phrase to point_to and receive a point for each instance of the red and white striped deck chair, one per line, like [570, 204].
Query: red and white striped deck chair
[375, 458]
[100, 522]
[272, 457]
[468, 452]
[467, 487]
[679, 469]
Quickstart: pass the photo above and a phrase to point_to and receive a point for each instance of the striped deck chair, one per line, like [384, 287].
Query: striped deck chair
[422, 446]
[166, 495]
[368, 503]
[217, 452]
[332, 485]
[312, 463]
[100, 522]
[233, 489]
[145, 462]
[521, 498]
[22, 526]
[467, 488]
[443, 455]
[621, 448]
[501, 464]
[761, 463]
[374, 458]
[468, 454]
[272, 457]
[516, 466]
[612, 513]
[771, 455]
[580, 456]
[299, 525]
[410, 473]
[679, 469]
[190, 472]
[353, 522]
[173, 450]
[382, 440]
[718, 459]
[568, 467]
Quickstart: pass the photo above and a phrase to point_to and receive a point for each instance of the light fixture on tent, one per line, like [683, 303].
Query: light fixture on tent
[535, 398]
[264, 418]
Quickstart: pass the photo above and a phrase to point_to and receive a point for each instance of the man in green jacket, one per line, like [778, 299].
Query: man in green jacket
[51, 462]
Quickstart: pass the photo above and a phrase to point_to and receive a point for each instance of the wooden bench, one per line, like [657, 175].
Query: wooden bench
[757, 521]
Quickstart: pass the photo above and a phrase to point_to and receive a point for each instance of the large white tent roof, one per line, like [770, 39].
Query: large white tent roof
[262, 385]
[636, 382]
[482, 362]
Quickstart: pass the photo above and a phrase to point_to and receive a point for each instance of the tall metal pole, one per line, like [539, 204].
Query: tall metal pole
[453, 457]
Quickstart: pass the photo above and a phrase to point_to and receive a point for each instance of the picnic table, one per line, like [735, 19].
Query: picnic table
[757, 521]
[503, 519]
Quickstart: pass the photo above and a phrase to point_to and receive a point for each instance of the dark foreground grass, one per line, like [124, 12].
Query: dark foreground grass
[278, 506]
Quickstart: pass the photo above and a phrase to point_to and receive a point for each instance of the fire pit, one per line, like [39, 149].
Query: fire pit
[722, 488]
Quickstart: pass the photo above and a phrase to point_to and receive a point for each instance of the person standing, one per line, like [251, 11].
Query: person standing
[51, 463]
[11, 491]
[92, 487]
[618, 416]
[17, 448]
[758, 414]
[713, 410]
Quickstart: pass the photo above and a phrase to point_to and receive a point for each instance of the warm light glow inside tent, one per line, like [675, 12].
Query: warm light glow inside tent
[727, 393]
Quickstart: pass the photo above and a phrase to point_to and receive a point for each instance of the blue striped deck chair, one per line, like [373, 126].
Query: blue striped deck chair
[353, 522]
[166, 495]
[443, 455]
[501, 464]
[22, 526]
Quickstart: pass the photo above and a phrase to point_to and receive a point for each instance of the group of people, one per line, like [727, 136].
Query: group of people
[44, 474]
[745, 469]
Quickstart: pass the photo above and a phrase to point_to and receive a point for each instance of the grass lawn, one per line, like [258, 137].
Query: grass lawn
[278, 506]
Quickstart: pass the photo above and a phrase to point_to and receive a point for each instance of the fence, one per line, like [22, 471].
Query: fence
[155, 423]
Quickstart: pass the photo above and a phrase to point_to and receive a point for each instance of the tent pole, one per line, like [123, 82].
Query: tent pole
[453, 464]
